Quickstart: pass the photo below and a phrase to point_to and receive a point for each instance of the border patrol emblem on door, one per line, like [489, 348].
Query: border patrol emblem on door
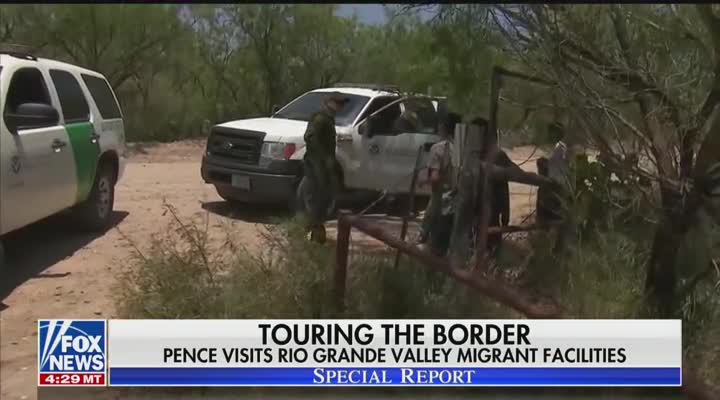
[15, 164]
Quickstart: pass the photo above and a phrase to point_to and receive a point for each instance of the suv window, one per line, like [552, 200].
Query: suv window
[26, 86]
[305, 106]
[103, 96]
[72, 100]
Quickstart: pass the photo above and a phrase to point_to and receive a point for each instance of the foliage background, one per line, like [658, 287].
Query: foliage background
[179, 68]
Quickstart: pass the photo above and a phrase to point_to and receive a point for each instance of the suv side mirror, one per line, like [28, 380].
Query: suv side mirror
[275, 109]
[32, 115]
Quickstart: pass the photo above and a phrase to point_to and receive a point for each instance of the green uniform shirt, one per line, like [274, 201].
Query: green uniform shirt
[320, 137]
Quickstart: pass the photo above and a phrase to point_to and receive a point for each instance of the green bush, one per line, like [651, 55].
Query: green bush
[178, 277]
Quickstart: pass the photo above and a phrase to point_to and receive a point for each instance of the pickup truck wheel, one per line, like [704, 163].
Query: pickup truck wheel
[399, 205]
[226, 196]
[94, 213]
[301, 204]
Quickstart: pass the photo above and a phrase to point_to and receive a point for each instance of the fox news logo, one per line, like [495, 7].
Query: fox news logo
[71, 352]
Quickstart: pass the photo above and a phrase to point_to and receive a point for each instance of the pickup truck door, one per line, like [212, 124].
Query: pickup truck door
[397, 132]
[362, 154]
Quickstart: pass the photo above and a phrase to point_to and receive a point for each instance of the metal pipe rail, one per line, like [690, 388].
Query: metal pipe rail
[507, 295]
[515, 298]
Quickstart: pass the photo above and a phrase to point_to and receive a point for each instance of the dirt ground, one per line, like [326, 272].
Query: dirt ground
[53, 272]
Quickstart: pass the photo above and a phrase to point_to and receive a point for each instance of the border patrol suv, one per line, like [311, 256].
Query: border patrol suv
[61, 142]
[259, 160]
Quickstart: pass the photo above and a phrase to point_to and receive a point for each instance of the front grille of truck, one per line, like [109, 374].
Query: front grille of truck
[236, 145]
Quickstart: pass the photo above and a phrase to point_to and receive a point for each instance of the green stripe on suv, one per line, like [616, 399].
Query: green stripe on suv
[86, 155]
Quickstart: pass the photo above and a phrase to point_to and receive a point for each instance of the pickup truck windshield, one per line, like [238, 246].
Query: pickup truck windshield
[306, 105]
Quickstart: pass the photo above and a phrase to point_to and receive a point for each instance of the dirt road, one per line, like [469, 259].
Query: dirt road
[56, 273]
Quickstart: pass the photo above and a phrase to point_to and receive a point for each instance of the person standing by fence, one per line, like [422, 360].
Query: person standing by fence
[319, 166]
[437, 221]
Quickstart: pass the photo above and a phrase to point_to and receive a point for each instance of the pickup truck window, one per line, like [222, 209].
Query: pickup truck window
[305, 106]
[72, 99]
[411, 115]
[376, 104]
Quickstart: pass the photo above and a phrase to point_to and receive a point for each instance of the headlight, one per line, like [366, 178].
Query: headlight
[277, 151]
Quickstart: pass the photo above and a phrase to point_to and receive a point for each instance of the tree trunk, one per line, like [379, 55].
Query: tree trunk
[661, 279]
[467, 195]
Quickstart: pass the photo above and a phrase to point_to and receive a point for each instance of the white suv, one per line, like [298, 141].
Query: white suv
[61, 142]
[259, 160]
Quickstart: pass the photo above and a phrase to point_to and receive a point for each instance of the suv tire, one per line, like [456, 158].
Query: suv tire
[95, 212]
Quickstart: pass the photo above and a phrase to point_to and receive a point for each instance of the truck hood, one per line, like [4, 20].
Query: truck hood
[276, 129]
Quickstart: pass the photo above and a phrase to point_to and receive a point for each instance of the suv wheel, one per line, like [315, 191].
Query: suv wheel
[94, 213]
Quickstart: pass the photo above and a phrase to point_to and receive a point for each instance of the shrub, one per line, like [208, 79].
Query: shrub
[600, 275]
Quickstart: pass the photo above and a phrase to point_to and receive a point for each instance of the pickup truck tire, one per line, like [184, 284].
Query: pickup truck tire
[227, 197]
[301, 206]
[399, 205]
[94, 213]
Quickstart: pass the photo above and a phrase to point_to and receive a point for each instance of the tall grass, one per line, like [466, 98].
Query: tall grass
[184, 274]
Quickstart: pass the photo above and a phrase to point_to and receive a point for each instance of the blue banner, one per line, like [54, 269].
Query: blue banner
[395, 376]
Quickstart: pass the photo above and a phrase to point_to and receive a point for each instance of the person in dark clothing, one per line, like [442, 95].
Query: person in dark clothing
[500, 201]
[500, 208]
[319, 166]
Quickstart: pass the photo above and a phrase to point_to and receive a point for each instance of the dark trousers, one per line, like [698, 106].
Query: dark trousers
[319, 192]
[431, 211]
[494, 240]
[440, 234]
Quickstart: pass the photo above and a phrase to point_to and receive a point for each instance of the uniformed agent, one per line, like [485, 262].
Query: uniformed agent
[319, 165]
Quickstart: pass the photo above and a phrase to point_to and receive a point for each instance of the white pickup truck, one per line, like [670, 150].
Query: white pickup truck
[61, 143]
[259, 160]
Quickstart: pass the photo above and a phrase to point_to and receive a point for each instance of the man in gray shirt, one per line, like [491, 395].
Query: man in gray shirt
[437, 222]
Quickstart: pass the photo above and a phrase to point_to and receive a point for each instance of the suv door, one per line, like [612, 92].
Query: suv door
[37, 176]
[399, 129]
[80, 131]
[106, 115]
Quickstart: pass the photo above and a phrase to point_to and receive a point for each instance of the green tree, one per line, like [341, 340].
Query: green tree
[646, 72]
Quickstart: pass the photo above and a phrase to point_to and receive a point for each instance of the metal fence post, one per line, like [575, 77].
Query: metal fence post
[341, 260]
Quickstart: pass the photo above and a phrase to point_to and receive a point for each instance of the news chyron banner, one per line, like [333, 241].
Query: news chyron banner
[360, 353]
